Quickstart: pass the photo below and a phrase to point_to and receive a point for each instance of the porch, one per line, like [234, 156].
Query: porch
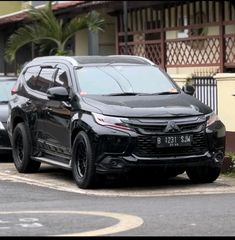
[180, 36]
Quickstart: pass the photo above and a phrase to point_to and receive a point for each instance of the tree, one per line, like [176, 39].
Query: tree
[46, 28]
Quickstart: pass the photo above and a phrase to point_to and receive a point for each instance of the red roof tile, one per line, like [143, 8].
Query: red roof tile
[22, 15]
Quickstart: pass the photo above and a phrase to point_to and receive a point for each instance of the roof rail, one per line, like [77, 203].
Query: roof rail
[134, 56]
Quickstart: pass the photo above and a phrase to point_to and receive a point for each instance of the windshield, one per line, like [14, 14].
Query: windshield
[111, 80]
[5, 90]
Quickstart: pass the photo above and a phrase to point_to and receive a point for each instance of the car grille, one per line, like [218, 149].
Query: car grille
[146, 147]
[194, 127]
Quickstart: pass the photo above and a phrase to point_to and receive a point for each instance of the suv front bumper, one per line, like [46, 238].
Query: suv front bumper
[118, 153]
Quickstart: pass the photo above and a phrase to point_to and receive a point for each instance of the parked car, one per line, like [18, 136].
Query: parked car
[100, 115]
[6, 85]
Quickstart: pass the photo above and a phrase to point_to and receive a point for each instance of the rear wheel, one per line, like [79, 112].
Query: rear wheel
[203, 174]
[83, 164]
[21, 150]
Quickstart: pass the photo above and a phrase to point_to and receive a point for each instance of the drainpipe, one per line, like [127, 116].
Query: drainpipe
[32, 51]
[125, 21]
[4, 61]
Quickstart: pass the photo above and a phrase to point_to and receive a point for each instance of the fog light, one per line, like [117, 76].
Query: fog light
[114, 163]
[218, 157]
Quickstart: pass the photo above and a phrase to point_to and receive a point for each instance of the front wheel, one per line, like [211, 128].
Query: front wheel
[83, 164]
[203, 174]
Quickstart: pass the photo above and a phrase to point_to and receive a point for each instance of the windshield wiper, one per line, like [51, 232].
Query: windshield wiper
[165, 93]
[3, 102]
[139, 94]
[122, 94]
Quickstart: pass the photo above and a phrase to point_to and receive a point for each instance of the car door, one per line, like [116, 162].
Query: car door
[33, 100]
[57, 122]
[38, 99]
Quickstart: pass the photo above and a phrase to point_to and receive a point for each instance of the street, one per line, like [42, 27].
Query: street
[49, 203]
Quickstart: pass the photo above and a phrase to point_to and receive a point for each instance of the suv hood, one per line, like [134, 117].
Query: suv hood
[148, 106]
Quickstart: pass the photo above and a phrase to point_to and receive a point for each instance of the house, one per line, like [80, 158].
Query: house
[186, 38]
[82, 44]
[180, 36]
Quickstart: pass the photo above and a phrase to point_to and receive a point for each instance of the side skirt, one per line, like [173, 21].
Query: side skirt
[66, 166]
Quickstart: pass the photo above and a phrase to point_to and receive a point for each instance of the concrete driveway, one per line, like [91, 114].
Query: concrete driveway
[59, 179]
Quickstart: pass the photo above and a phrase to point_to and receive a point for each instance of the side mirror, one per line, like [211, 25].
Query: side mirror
[188, 89]
[58, 94]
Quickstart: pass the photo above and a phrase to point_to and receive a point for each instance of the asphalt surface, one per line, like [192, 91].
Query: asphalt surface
[49, 203]
[59, 179]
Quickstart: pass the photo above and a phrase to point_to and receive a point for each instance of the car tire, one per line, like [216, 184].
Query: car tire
[21, 150]
[203, 174]
[83, 164]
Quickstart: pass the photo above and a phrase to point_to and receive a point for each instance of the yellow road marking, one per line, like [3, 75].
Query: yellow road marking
[125, 222]
[141, 192]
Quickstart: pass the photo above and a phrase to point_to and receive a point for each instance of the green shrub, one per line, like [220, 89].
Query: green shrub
[228, 163]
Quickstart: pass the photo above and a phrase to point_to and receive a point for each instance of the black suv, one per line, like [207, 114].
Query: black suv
[101, 115]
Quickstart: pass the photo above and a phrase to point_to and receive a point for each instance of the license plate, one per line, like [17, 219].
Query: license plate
[174, 141]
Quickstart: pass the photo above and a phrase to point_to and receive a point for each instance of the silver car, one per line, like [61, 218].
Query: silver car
[6, 85]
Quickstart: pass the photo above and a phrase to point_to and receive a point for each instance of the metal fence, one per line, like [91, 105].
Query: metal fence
[206, 91]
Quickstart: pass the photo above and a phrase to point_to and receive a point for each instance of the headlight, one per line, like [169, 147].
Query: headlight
[112, 122]
[211, 118]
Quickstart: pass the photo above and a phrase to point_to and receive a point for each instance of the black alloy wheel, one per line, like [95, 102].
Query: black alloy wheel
[22, 150]
[81, 158]
[19, 150]
[83, 164]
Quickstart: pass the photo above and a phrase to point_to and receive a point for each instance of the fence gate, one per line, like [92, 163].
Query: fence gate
[206, 91]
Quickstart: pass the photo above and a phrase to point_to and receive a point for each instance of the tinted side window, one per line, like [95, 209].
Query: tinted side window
[61, 79]
[38, 78]
[31, 75]
[45, 79]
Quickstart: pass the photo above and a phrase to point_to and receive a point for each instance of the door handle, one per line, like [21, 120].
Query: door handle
[67, 105]
[48, 109]
[28, 103]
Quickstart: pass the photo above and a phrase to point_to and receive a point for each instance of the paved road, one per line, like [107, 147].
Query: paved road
[49, 203]
[59, 179]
